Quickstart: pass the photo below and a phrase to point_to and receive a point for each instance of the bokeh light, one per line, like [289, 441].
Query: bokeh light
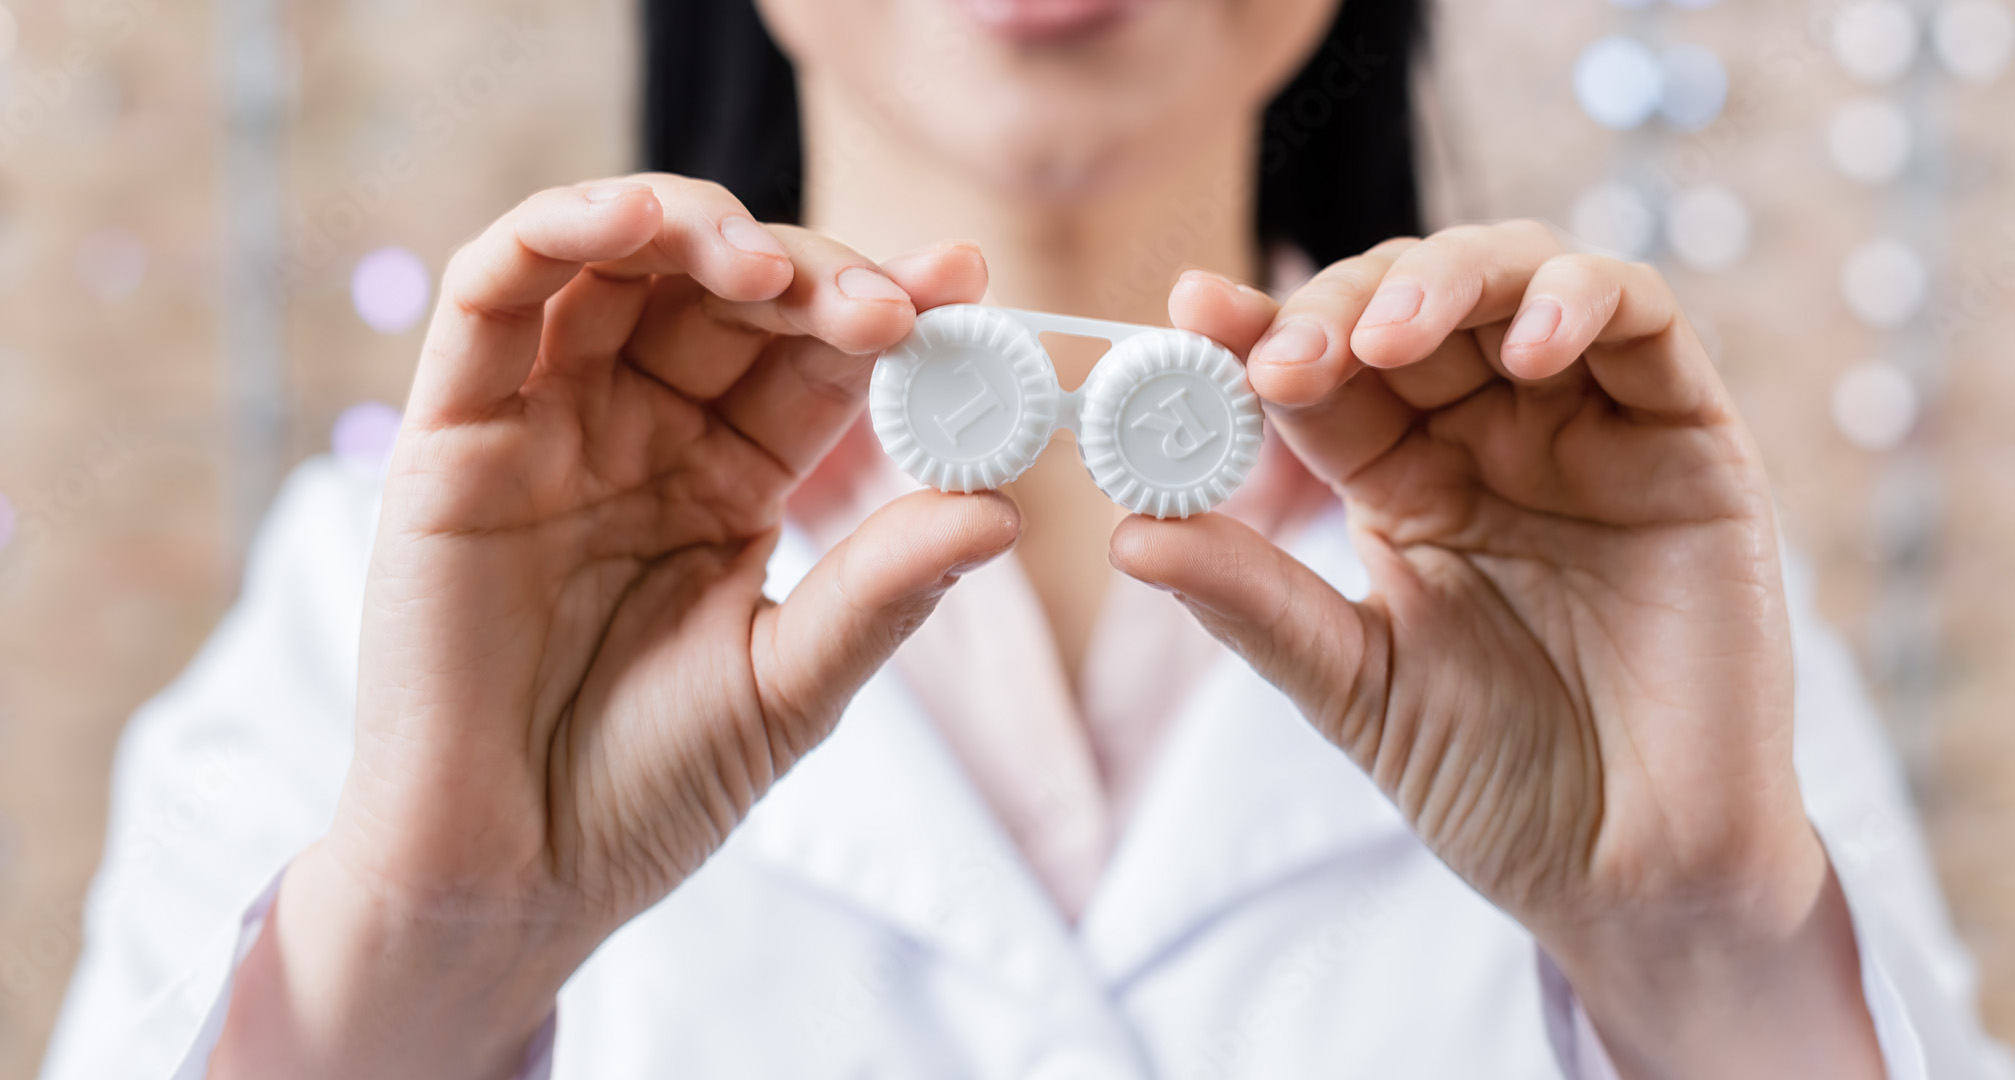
[1974, 38]
[1884, 283]
[390, 289]
[1693, 86]
[1875, 406]
[1869, 140]
[10, 34]
[363, 436]
[1615, 218]
[1875, 40]
[1708, 228]
[112, 263]
[1617, 82]
[8, 519]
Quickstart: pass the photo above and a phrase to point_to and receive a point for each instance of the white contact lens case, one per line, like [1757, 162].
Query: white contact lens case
[1165, 421]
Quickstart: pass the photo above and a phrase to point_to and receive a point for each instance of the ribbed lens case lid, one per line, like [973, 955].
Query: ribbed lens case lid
[967, 401]
[1168, 425]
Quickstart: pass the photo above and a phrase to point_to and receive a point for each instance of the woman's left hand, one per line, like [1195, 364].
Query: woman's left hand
[1574, 673]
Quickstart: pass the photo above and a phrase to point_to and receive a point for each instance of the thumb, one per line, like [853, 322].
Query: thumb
[845, 619]
[1330, 656]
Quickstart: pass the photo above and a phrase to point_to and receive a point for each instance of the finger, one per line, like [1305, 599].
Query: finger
[700, 344]
[847, 616]
[1220, 309]
[486, 328]
[1354, 426]
[801, 394]
[682, 342]
[1301, 367]
[590, 320]
[708, 235]
[1456, 279]
[1306, 353]
[1455, 370]
[1625, 320]
[706, 243]
[797, 400]
[838, 295]
[1327, 654]
[949, 273]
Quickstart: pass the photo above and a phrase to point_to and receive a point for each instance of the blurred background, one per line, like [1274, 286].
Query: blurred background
[220, 223]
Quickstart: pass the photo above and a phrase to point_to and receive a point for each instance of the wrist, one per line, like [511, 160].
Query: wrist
[1763, 980]
[350, 980]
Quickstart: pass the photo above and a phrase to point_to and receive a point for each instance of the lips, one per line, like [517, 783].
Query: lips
[1047, 20]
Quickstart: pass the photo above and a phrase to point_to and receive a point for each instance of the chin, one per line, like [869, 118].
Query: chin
[1051, 100]
[1061, 135]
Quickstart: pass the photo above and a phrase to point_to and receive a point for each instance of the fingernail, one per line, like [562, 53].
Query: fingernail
[927, 253]
[743, 234]
[1395, 302]
[1201, 274]
[1535, 324]
[602, 193]
[938, 248]
[1297, 341]
[861, 283]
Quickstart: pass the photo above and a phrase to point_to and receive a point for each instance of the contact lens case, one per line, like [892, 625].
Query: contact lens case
[1165, 422]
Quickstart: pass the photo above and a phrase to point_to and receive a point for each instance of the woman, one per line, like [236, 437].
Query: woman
[1545, 815]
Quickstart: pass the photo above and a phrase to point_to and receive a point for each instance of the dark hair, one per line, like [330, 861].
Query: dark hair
[1336, 168]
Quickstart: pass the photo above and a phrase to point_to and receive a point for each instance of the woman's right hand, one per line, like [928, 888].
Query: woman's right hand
[571, 685]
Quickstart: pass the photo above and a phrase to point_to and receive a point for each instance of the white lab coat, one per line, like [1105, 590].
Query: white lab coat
[1266, 913]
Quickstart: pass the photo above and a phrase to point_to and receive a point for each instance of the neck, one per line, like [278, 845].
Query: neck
[1112, 254]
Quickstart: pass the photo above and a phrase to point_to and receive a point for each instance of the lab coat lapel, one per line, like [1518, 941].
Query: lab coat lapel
[882, 816]
[1245, 795]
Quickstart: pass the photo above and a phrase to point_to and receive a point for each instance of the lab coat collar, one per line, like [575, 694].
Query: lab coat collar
[1245, 795]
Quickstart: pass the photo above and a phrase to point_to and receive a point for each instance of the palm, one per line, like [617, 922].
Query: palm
[1565, 646]
[572, 685]
[1573, 672]
[589, 518]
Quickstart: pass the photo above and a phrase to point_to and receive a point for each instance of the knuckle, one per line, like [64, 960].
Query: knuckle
[685, 197]
[1351, 277]
[1592, 279]
[545, 200]
[1459, 239]
[471, 275]
[1582, 268]
[830, 375]
[795, 237]
[1394, 247]
[711, 191]
[461, 268]
[1647, 277]
[1529, 231]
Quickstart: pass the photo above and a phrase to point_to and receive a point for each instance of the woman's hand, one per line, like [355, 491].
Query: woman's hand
[1573, 674]
[571, 686]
